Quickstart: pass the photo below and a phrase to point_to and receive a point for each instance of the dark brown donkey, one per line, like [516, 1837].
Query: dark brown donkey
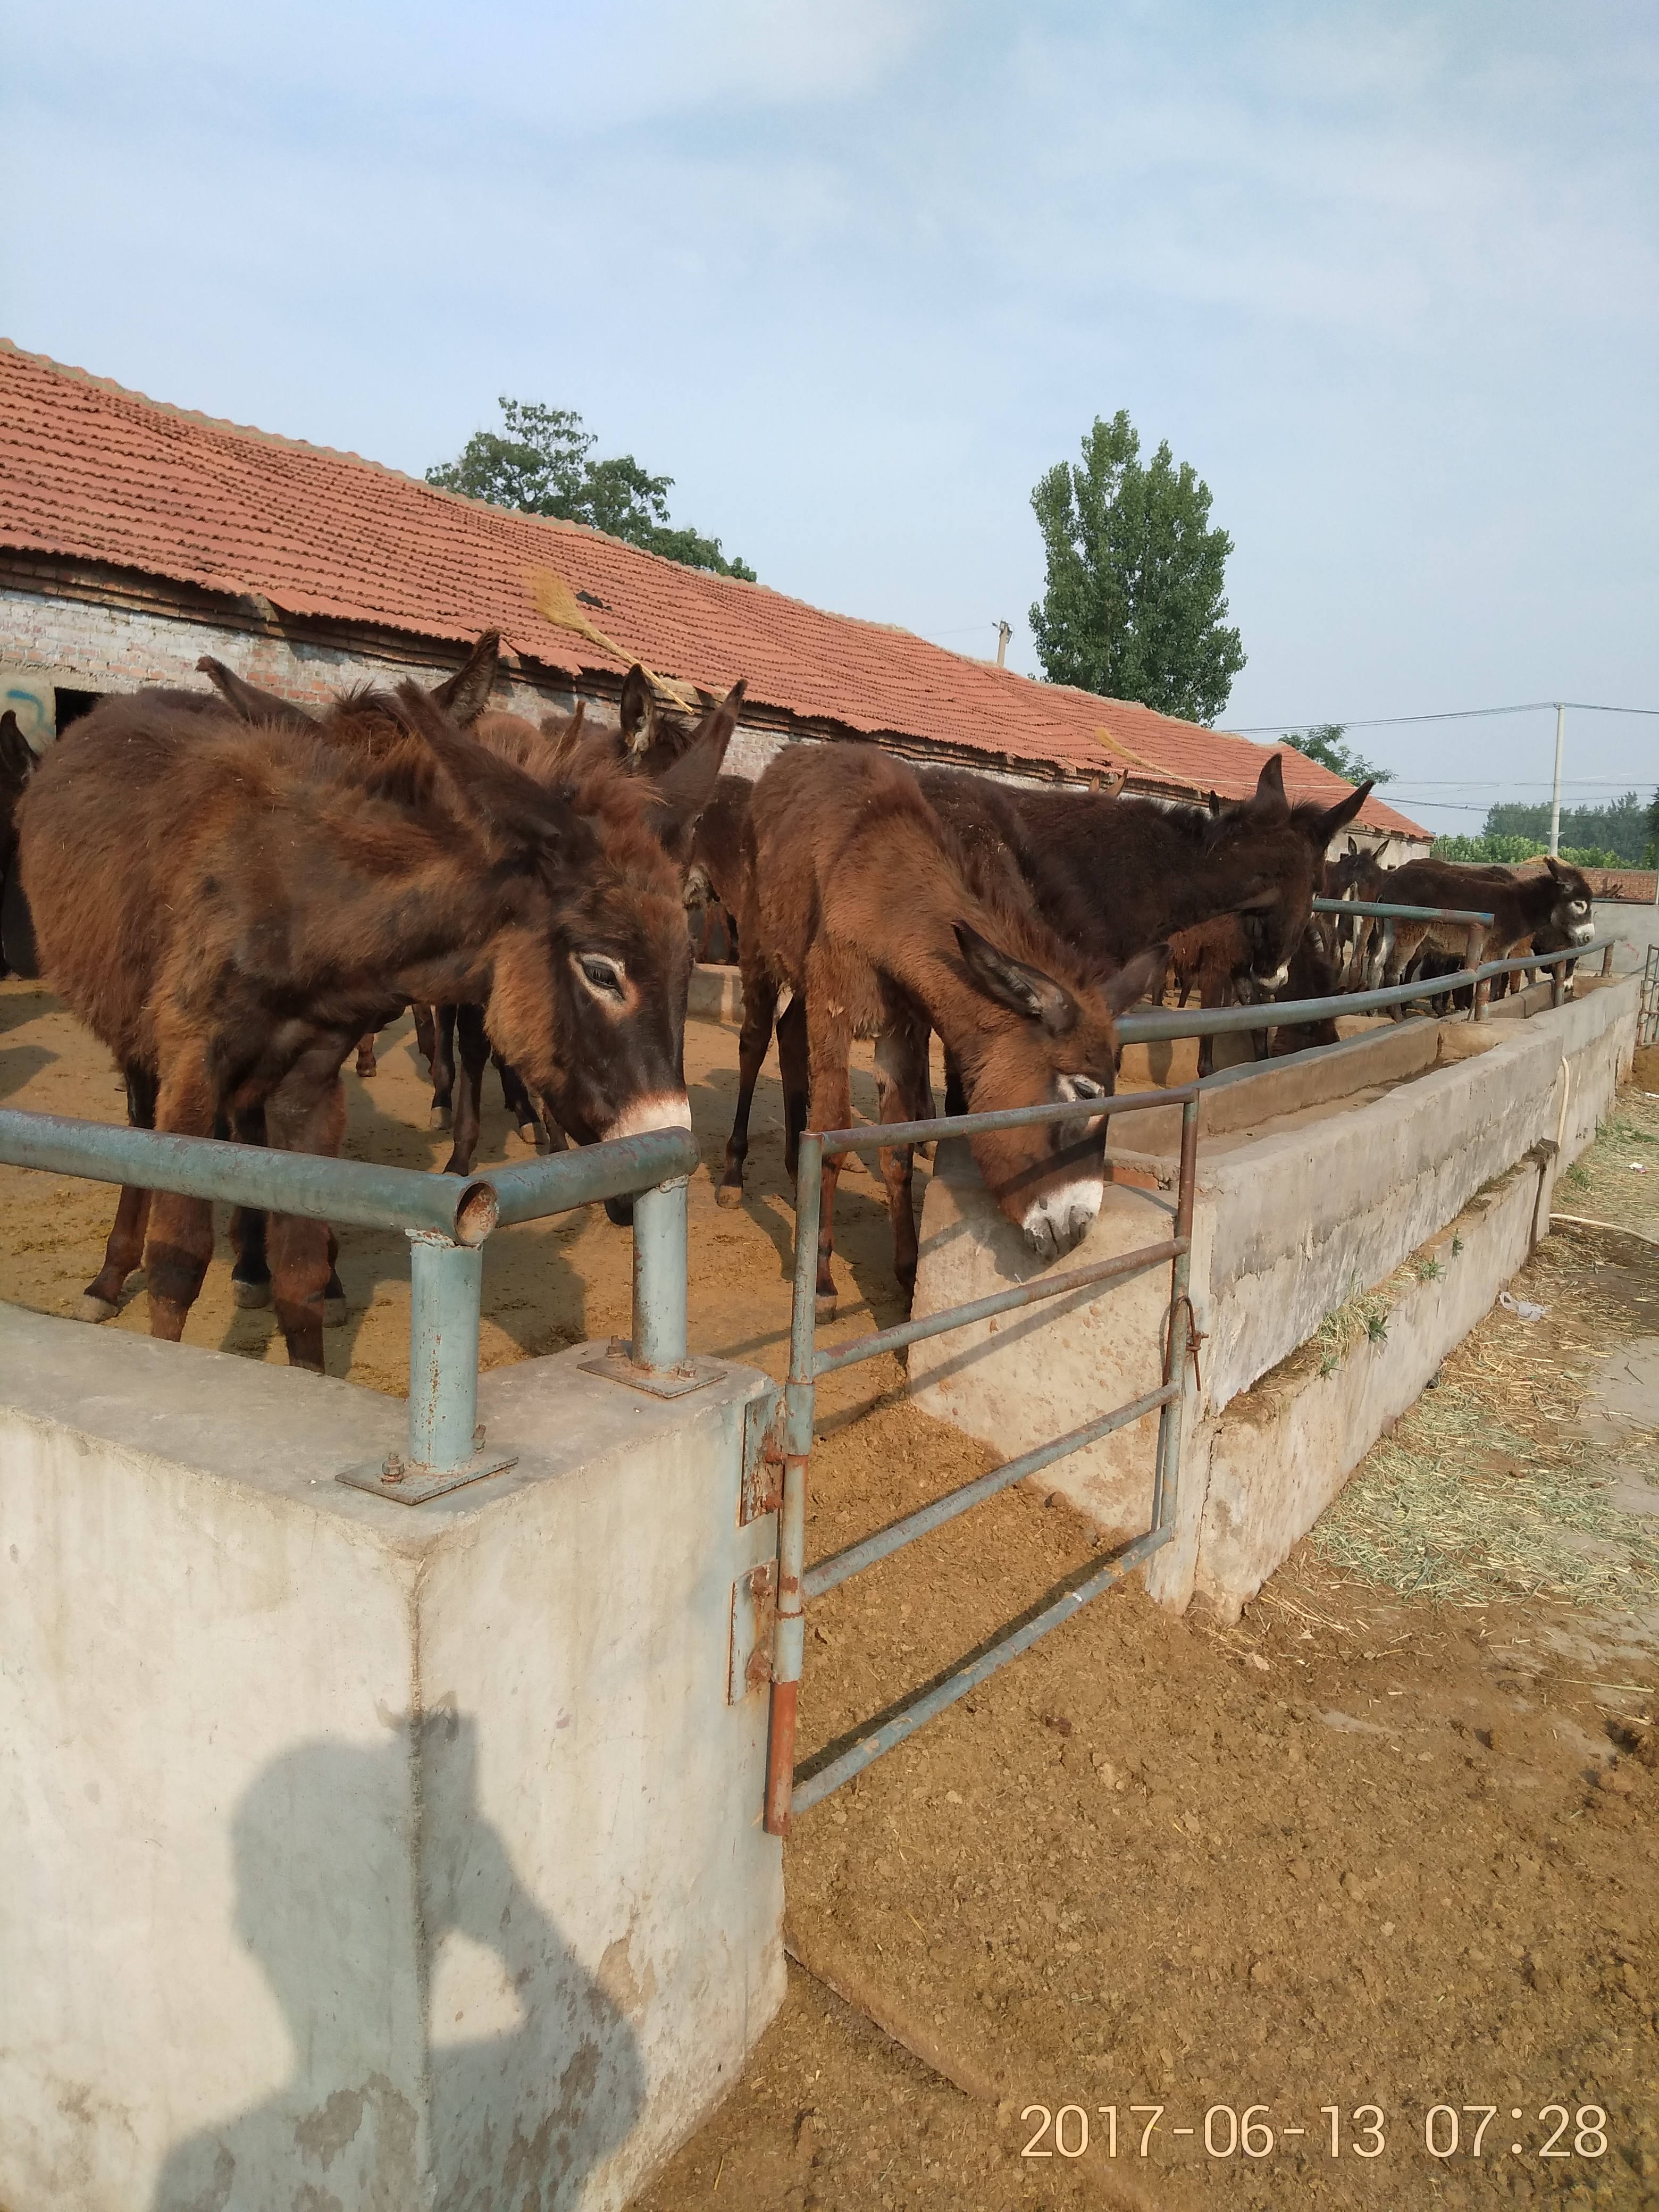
[229, 908]
[1556, 902]
[16, 767]
[1112, 875]
[858, 898]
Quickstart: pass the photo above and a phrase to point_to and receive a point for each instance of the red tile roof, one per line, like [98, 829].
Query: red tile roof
[91, 471]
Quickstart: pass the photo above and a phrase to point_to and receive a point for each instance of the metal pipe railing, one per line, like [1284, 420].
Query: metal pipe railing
[797, 1582]
[447, 1219]
[1402, 913]
[1166, 1022]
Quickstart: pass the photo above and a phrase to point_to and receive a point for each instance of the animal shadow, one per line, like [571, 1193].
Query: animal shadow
[522, 2116]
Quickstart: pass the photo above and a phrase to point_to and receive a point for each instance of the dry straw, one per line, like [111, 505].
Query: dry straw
[556, 603]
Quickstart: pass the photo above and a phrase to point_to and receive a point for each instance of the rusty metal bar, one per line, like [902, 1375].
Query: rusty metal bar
[788, 1639]
[828, 1573]
[881, 1136]
[1166, 1466]
[999, 1302]
[815, 1784]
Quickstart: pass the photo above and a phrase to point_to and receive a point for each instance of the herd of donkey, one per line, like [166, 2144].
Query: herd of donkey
[233, 894]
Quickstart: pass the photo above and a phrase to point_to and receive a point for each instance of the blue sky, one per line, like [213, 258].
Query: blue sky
[855, 273]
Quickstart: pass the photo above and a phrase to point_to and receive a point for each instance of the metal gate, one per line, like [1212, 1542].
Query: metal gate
[788, 1447]
[1647, 1021]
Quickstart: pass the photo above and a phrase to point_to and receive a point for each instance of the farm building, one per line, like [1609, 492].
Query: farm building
[136, 536]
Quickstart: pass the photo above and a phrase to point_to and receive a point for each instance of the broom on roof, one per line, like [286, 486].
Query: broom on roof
[556, 603]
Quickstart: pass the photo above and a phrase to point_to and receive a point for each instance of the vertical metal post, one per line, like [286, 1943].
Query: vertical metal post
[1166, 1476]
[1555, 796]
[444, 1283]
[660, 1269]
[789, 1635]
[1480, 995]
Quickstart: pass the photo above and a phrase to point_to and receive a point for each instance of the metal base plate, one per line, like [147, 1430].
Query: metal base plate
[405, 1484]
[616, 1367]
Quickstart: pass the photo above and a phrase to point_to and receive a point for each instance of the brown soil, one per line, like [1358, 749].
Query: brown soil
[1361, 1851]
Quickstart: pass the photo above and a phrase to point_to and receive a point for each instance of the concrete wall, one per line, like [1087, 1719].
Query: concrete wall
[1638, 924]
[1289, 1224]
[356, 1854]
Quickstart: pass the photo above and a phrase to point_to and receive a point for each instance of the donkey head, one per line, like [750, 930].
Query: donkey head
[1279, 851]
[1045, 1042]
[1570, 915]
[589, 983]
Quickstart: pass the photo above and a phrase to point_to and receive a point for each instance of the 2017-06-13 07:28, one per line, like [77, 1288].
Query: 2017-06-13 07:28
[1227, 2132]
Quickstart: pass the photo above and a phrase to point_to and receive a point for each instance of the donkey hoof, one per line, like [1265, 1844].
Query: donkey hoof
[728, 1194]
[334, 1313]
[93, 1308]
[823, 1306]
[249, 1295]
[439, 1118]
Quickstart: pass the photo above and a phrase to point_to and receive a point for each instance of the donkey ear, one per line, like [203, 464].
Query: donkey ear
[1555, 867]
[464, 695]
[639, 711]
[1337, 818]
[686, 787]
[16, 755]
[1135, 980]
[1022, 989]
[1213, 799]
[518, 818]
[248, 703]
[1269, 803]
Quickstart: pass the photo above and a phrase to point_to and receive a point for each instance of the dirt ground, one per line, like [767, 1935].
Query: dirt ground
[1367, 1850]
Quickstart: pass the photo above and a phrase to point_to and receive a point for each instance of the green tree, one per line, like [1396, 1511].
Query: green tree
[542, 466]
[1133, 607]
[1622, 827]
[1323, 743]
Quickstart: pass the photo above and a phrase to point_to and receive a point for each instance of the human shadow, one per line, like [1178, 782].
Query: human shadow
[388, 2106]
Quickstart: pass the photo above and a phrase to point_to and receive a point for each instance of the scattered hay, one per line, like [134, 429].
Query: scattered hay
[1363, 1318]
[1469, 1512]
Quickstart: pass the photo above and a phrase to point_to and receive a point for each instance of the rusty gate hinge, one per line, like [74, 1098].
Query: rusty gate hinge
[754, 1616]
[763, 1457]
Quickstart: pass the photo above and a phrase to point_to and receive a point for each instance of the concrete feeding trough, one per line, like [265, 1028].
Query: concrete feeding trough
[1319, 1176]
[360, 1854]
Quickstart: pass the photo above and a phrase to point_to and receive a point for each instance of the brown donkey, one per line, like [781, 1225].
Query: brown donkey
[229, 908]
[858, 898]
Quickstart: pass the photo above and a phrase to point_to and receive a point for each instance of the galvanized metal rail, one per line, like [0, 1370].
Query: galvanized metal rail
[786, 1792]
[447, 1219]
[789, 1791]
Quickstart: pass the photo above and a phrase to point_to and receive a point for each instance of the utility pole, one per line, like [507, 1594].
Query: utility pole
[1555, 799]
[1004, 631]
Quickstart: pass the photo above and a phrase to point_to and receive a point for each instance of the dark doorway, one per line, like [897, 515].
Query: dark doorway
[71, 705]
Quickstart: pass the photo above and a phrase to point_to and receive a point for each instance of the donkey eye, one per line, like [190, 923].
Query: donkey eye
[603, 977]
[1073, 1087]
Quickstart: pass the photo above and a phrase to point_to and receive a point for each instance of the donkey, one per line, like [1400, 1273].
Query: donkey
[864, 903]
[1557, 900]
[1111, 875]
[230, 907]
[17, 766]
[716, 872]
[1356, 874]
[1215, 959]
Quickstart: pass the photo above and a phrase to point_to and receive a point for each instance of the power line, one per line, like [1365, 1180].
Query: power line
[1455, 714]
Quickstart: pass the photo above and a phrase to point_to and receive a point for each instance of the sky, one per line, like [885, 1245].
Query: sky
[856, 273]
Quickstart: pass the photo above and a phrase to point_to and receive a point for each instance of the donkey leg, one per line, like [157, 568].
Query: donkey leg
[900, 1087]
[180, 1241]
[469, 1031]
[443, 1070]
[306, 1113]
[426, 1042]
[367, 1063]
[830, 1045]
[760, 998]
[793, 1067]
[101, 1300]
[516, 1097]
